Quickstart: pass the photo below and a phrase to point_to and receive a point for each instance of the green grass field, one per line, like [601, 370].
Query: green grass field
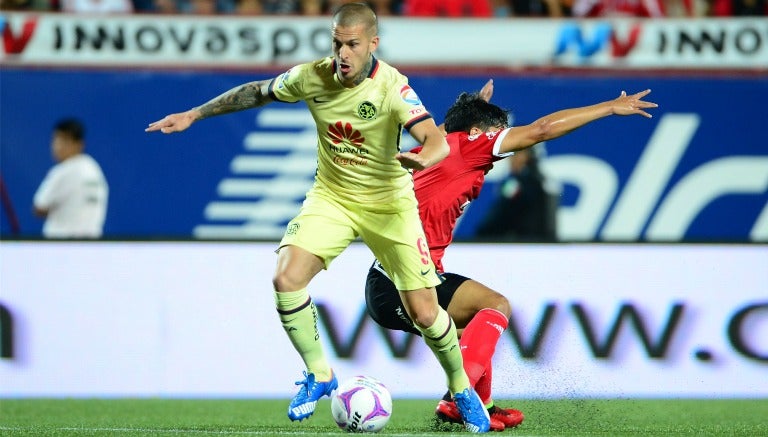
[175, 417]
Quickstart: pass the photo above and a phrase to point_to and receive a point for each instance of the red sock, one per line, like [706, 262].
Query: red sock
[483, 386]
[478, 342]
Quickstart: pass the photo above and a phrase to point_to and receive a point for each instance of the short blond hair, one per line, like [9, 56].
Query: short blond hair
[354, 14]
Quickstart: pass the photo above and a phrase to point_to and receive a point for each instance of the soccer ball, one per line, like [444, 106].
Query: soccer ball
[361, 404]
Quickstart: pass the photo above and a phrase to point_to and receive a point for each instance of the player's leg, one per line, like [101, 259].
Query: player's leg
[397, 241]
[484, 314]
[312, 240]
[383, 303]
[508, 417]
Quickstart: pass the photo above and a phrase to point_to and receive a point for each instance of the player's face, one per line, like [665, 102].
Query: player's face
[62, 146]
[352, 48]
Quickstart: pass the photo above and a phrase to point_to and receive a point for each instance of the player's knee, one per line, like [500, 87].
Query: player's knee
[283, 281]
[501, 304]
[423, 317]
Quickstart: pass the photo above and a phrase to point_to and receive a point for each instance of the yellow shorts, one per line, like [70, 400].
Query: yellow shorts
[326, 227]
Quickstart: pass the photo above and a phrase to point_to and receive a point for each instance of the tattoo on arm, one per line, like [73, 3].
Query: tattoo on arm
[246, 96]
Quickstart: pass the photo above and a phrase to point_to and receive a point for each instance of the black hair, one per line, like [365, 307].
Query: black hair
[70, 127]
[470, 110]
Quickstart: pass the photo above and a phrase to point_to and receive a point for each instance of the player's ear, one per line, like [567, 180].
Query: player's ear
[374, 44]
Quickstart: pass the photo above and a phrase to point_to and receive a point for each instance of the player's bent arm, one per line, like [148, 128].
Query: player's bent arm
[562, 122]
[434, 147]
[245, 96]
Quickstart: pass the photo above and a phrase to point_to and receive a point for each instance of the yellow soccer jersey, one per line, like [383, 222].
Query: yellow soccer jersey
[359, 131]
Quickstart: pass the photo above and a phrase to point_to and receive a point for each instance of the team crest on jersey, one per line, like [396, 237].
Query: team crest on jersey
[293, 229]
[409, 95]
[366, 110]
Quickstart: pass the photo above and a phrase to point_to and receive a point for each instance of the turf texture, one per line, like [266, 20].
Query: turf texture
[245, 417]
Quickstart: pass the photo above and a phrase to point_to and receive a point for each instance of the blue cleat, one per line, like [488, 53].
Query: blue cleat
[304, 403]
[473, 413]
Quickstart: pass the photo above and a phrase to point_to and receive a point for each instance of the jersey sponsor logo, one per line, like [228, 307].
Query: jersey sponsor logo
[341, 131]
[409, 95]
[366, 110]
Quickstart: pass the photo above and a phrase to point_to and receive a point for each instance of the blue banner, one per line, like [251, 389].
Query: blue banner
[697, 171]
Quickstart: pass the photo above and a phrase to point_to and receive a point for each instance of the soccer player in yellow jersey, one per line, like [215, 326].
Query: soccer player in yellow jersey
[363, 188]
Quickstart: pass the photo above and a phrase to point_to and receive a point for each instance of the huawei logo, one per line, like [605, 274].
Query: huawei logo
[340, 132]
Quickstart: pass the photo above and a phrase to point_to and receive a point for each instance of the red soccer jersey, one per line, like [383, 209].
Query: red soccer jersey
[445, 189]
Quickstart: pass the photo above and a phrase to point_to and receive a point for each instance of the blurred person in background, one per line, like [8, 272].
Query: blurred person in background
[524, 209]
[97, 6]
[381, 7]
[207, 7]
[448, 8]
[29, 5]
[73, 196]
[738, 8]
[157, 6]
[618, 8]
[532, 8]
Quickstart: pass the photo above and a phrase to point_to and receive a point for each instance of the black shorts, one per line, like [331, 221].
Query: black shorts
[385, 306]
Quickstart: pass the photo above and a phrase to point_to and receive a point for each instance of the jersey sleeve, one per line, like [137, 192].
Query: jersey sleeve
[49, 190]
[288, 87]
[407, 105]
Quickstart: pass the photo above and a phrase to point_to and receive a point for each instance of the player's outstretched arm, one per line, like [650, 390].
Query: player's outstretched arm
[246, 96]
[434, 149]
[562, 122]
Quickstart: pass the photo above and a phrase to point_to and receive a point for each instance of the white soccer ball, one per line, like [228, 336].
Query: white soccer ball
[361, 404]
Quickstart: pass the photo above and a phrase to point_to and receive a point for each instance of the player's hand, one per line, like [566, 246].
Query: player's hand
[634, 104]
[413, 161]
[173, 123]
[487, 91]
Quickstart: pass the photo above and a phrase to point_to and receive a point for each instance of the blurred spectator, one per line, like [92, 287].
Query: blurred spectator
[618, 8]
[73, 196]
[29, 5]
[524, 209]
[531, 8]
[207, 7]
[165, 6]
[738, 8]
[447, 8]
[381, 7]
[156, 6]
[248, 7]
[97, 6]
[685, 8]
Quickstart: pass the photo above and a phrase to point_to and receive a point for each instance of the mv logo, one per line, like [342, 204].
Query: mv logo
[267, 182]
[602, 34]
[14, 42]
[648, 207]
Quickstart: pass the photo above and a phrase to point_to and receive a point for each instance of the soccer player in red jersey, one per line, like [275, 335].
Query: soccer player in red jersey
[478, 135]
